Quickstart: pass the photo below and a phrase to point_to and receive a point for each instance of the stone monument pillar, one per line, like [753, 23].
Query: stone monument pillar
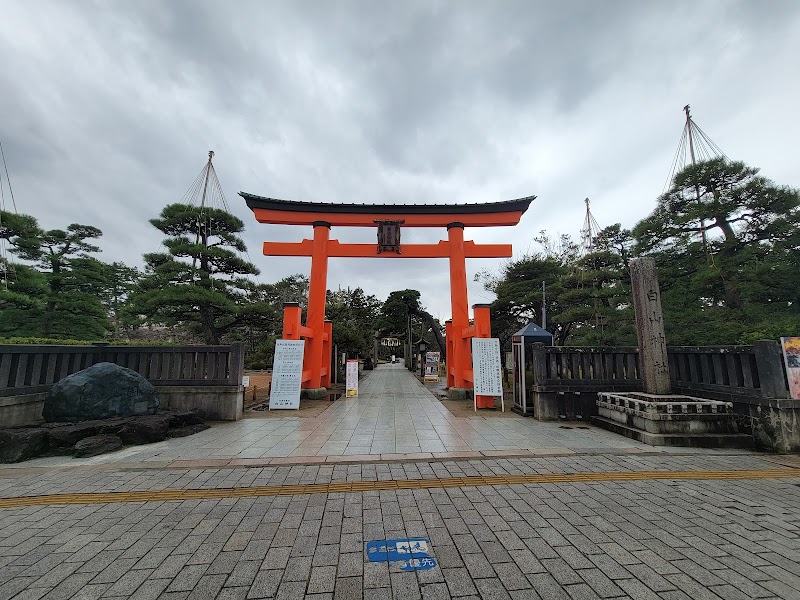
[650, 326]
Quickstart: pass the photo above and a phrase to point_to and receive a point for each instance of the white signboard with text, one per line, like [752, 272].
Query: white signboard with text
[287, 374]
[431, 366]
[487, 367]
[351, 379]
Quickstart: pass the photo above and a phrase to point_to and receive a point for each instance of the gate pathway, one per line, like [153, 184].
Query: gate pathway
[393, 414]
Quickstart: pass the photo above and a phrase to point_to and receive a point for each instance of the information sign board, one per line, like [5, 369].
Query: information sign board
[431, 366]
[791, 358]
[245, 380]
[287, 374]
[351, 380]
[487, 367]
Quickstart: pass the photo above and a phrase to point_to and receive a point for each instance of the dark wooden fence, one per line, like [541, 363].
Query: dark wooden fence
[740, 374]
[31, 369]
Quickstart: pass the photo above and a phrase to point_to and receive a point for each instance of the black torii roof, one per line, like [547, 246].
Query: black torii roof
[532, 333]
[519, 204]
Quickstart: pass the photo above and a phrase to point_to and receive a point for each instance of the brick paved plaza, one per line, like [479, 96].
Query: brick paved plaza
[508, 507]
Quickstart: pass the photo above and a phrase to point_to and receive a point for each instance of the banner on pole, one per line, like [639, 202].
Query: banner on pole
[287, 374]
[791, 358]
[431, 366]
[351, 380]
[487, 367]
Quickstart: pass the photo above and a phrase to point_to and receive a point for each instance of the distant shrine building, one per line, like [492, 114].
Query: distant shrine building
[388, 220]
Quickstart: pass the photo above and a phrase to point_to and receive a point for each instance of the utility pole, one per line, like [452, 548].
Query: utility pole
[544, 307]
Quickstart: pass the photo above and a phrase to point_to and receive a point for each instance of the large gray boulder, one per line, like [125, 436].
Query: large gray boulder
[102, 391]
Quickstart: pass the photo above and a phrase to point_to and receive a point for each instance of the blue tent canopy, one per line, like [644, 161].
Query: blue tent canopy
[532, 333]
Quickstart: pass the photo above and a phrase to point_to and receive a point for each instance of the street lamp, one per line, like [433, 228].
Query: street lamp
[422, 347]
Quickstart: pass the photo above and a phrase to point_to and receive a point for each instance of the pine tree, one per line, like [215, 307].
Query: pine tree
[201, 281]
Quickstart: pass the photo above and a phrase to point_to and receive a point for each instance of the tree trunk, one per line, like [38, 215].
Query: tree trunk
[436, 332]
[726, 228]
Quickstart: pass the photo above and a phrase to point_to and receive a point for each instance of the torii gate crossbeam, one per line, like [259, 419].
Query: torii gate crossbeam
[387, 219]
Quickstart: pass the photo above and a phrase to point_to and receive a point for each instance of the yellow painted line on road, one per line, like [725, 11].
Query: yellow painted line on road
[403, 484]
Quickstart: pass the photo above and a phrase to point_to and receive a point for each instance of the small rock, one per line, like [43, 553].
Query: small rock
[21, 444]
[144, 430]
[64, 436]
[97, 444]
[186, 430]
[182, 418]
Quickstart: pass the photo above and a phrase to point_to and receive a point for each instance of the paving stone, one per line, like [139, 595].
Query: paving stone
[129, 583]
[233, 593]
[35, 593]
[458, 582]
[351, 565]
[478, 566]
[434, 591]
[265, 584]
[581, 591]
[404, 585]
[243, 574]
[150, 589]
[650, 578]
[277, 558]
[636, 589]
[94, 591]
[224, 563]
[561, 571]
[326, 555]
[187, 578]
[208, 587]
[348, 587]
[491, 589]
[448, 557]
[376, 575]
[546, 586]
[322, 579]
[526, 561]
[511, 576]
[238, 541]
[384, 593]
[351, 542]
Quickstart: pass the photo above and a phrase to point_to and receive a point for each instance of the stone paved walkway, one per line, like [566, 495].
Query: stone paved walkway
[594, 517]
[393, 414]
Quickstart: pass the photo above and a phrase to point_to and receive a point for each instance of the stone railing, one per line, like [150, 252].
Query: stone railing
[203, 377]
[563, 382]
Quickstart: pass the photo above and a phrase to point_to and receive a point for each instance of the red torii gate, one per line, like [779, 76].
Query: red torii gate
[388, 219]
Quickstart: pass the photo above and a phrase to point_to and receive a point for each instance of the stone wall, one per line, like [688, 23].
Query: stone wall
[218, 403]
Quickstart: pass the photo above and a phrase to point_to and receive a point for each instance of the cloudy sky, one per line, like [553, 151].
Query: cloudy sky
[107, 111]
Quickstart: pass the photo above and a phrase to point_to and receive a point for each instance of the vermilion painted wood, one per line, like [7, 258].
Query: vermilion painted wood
[316, 360]
[367, 219]
[339, 250]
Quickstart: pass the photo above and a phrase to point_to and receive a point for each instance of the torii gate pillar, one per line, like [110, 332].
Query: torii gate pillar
[459, 305]
[315, 319]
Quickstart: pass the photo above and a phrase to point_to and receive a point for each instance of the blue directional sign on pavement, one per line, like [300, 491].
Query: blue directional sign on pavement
[413, 554]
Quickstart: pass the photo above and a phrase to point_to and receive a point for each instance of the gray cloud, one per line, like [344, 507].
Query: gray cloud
[109, 108]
